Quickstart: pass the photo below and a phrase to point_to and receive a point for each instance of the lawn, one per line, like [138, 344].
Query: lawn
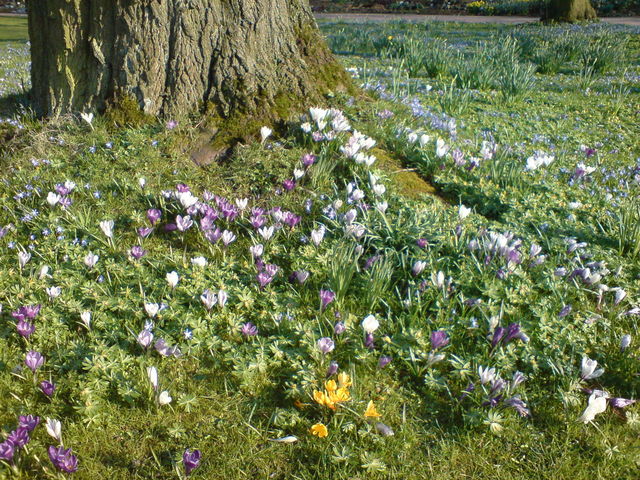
[452, 292]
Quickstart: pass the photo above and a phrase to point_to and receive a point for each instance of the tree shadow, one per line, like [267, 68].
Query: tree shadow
[14, 103]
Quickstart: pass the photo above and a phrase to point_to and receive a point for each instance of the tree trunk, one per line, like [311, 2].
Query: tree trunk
[174, 56]
[568, 11]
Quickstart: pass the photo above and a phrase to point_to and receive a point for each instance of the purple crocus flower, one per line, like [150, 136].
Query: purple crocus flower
[29, 422]
[145, 337]
[144, 232]
[369, 341]
[264, 279]
[191, 460]
[153, 214]
[308, 159]
[339, 328]
[137, 252]
[249, 330]
[333, 369]
[25, 328]
[213, 235]
[27, 312]
[34, 360]
[47, 387]
[301, 276]
[289, 184]
[62, 459]
[183, 223]
[439, 339]
[566, 310]
[182, 188]
[498, 334]
[517, 403]
[621, 402]
[513, 332]
[326, 345]
[19, 437]
[422, 242]
[6, 451]
[326, 297]
[384, 361]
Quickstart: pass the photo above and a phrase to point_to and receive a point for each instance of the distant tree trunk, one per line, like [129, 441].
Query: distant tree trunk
[568, 11]
[174, 56]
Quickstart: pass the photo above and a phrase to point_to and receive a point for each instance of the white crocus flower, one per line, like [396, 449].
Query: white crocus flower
[172, 279]
[90, 260]
[266, 232]
[222, 298]
[199, 262]
[588, 369]
[164, 398]
[265, 132]
[23, 258]
[597, 404]
[142, 182]
[152, 309]
[86, 318]
[625, 341]
[87, 117]
[487, 375]
[53, 198]
[54, 428]
[107, 228]
[441, 148]
[463, 212]
[317, 235]
[54, 292]
[152, 374]
[379, 189]
[370, 324]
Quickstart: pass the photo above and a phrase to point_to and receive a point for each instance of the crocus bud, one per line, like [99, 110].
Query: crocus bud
[625, 341]
[333, 369]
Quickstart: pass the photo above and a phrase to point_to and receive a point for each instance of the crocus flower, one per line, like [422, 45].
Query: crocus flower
[90, 260]
[439, 339]
[183, 223]
[47, 388]
[597, 404]
[30, 422]
[486, 374]
[625, 341]
[317, 235]
[370, 324]
[144, 232]
[164, 398]
[209, 299]
[172, 279]
[566, 310]
[463, 212]
[54, 428]
[498, 334]
[249, 329]
[308, 159]
[23, 258]
[190, 460]
[618, 402]
[25, 329]
[319, 430]
[6, 451]
[418, 268]
[222, 298]
[152, 309]
[326, 345]
[588, 369]
[384, 361]
[62, 459]
[107, 228]
[326, 297]
[152, 374]
[289, 184]
[19, 437]
[53, 292]
[333, 369]
[137, 252]
[369, 341]
[34, 360]
[339, 328]
[145, 337]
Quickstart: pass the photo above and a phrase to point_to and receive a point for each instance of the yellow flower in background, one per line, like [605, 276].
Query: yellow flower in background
[330, 386]
[319, 430]
[344, 380]
[371, 410]
[340, 395]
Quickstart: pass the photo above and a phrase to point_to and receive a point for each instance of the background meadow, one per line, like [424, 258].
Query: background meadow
[436, 278]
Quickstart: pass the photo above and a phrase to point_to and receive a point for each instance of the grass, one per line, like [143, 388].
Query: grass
[234, 394]
[12, 30]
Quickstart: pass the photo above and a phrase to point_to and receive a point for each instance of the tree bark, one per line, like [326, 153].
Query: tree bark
[174, 56]
[568, 11]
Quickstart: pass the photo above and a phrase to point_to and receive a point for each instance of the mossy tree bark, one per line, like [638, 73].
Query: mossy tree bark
[174, 56]
[568, 11]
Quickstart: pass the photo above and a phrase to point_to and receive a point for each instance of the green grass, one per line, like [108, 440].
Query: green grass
[232, 395]
[13, 30]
